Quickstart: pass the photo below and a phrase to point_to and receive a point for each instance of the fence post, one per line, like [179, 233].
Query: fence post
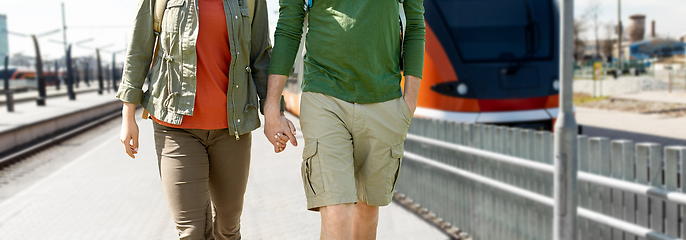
[669, 81]
[672, 155]
[564, 219]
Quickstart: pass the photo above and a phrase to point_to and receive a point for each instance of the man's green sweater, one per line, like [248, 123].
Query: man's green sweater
[353, 47]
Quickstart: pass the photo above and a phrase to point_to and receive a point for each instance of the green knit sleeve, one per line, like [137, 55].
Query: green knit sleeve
[287, 36]
[413, 46]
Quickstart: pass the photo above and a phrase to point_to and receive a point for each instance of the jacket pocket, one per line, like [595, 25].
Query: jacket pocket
[393, 168]
[172, 16]
[311, 170]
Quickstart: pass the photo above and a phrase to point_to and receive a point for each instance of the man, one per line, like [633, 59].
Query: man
[354, 116]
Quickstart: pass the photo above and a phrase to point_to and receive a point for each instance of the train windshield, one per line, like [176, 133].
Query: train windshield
[499, 30]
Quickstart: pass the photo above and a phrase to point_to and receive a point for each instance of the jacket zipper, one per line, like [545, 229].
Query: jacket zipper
[231, 67]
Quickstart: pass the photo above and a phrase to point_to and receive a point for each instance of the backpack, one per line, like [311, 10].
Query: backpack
[158, 13]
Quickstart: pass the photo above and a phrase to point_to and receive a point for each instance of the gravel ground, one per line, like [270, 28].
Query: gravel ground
[642, 107]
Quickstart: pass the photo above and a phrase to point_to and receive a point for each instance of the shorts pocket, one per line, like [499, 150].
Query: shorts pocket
[405, 109]
[311, 170]
[393, 168]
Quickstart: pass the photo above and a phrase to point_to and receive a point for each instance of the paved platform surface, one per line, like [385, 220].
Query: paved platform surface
[103, 194]
[650, 124]
[654, 96]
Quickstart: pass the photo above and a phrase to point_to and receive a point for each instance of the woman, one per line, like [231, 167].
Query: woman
[211, 65]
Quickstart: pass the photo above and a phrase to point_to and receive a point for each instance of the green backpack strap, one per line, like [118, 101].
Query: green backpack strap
[403, 24]
[403, 19]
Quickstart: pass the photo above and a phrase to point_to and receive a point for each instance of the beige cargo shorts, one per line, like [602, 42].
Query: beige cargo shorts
[352, 151]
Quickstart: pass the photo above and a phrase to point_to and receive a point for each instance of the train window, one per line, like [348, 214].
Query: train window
[499, 30]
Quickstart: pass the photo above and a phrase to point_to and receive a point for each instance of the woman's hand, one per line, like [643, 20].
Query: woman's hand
[129, 129]
[279, 130]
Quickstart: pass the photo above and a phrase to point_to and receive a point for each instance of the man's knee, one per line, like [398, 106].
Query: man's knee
[338, 211]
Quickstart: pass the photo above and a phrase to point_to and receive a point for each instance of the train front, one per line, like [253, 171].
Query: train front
[491, 61]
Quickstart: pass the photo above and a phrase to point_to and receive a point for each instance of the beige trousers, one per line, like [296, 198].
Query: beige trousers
[203, 171]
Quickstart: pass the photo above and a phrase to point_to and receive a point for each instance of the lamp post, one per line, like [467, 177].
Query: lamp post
[565, 178]
[40, 101]
[99, 73]
[39, 74]
[115, 74]
[57, 76]
[8, 93]
[70, 75]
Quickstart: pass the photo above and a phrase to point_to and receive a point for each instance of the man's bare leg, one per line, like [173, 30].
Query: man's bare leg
[365, 221]
[337, 221]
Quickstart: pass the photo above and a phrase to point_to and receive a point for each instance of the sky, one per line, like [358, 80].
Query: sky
[669, 15]
[108, 22]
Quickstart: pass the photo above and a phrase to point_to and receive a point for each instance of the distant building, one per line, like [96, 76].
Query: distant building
[4, 42]
[637, 25]
[656, 48]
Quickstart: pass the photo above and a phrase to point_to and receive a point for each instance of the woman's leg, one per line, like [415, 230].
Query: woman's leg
[229, 166]
[184, 169]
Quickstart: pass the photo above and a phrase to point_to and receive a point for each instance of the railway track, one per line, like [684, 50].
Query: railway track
[23, 168]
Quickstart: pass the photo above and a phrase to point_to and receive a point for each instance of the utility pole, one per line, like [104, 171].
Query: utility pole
[619, 36]
[64, 29]
[565, 178]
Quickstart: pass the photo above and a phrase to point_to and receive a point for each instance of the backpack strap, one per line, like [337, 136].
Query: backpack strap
[307, 4]
[157, 13]
[403, 23]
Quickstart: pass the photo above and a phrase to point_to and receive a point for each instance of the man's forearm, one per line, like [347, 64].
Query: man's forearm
[274, 91]
[411, 88]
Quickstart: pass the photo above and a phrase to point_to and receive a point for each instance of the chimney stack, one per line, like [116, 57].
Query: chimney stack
[652, 30]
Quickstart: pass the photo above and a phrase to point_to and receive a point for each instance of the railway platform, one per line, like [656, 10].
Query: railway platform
[103, 194]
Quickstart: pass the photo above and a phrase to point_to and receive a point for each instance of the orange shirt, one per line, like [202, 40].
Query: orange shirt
[214, 57]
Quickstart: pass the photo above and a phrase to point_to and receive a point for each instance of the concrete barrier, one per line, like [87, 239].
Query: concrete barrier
[16, 138]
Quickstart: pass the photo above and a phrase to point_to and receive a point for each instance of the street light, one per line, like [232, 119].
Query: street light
[39, 63]
[565, 177]
[114, 68]
[70, 68]
[100, 75]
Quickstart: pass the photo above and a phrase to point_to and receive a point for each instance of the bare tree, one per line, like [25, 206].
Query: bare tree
[607, 44]
[579, 45]
[592, 13]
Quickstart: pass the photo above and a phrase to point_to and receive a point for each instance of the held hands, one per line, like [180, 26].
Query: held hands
[279, 130]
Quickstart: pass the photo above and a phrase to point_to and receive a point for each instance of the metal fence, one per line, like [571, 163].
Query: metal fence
[496, 182]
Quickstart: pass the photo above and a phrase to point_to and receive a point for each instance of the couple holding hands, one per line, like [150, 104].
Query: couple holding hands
[215, 71]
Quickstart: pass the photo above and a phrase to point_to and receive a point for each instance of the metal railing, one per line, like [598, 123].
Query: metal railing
[496, 182]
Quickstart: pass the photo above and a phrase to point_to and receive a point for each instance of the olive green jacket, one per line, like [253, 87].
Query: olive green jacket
[171, 92]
